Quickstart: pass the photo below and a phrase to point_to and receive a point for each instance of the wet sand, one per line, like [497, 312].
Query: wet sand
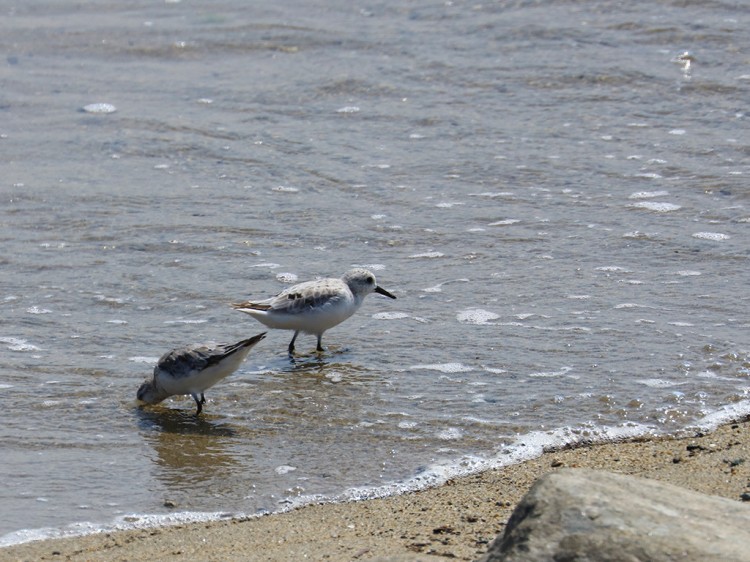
[455, 521]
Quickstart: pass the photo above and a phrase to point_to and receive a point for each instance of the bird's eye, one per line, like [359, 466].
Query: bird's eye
[370, 280]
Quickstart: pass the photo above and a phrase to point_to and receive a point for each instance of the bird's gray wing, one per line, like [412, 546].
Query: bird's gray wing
[306, 296]
[295, 299]
[181, 362]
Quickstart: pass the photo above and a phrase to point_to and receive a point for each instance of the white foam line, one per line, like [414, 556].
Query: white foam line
[122, 523]
[724, 415]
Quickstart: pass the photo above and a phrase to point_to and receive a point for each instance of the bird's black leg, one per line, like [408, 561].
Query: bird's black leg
[291, 343]
[199, 402]
[320, 346]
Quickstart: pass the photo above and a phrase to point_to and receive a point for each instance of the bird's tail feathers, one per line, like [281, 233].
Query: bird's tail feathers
[249, 305]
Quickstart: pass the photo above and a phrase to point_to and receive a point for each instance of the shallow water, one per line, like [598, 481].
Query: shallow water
[555, 192]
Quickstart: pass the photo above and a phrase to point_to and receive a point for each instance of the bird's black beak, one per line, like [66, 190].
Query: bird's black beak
[382, 291]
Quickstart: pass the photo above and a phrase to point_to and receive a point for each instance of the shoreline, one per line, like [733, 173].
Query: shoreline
[456, 520]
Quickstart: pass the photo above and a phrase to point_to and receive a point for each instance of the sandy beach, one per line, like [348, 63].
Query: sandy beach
[455, 521]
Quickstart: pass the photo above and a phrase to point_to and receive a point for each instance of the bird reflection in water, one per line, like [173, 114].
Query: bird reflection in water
[191, 450]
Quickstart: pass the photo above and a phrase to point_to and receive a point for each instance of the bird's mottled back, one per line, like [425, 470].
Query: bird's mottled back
[181, 362]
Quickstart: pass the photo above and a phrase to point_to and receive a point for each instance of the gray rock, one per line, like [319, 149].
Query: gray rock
[588, 515]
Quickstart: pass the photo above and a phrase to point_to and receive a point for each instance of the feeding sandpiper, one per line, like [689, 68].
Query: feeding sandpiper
[193, 369]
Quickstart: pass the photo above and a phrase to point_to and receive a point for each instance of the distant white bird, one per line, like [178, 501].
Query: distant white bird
[193, 369]
[314, 306]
